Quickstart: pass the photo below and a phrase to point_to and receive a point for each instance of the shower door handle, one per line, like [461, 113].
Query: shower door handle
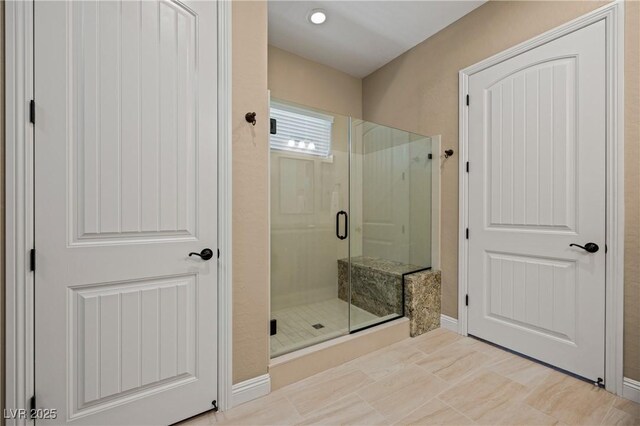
[346, 225]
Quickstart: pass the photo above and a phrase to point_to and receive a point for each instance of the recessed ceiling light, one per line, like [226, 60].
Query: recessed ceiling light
[317, 16]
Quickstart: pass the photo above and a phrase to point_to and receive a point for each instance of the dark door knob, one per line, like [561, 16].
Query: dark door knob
[205, 254]
[590, 247]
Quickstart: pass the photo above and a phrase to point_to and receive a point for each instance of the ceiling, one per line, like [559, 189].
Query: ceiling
[359, 37]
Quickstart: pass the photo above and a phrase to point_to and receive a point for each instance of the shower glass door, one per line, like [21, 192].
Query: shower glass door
[390, 219]
[309, 160]
[350, 219]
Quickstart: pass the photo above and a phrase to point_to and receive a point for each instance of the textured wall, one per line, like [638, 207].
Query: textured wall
[309, 83]
[418, 91]
[2, 209]
[632, 195]
[250, 192]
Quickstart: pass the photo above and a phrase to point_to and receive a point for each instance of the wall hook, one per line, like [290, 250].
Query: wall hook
[250, 117]
[448, 153]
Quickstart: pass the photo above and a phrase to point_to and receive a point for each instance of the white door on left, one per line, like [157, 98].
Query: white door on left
[125, 189]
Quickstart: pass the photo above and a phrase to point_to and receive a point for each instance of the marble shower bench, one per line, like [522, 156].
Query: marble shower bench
[377, 284]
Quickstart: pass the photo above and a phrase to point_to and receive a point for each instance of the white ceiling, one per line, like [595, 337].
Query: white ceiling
[359, 37]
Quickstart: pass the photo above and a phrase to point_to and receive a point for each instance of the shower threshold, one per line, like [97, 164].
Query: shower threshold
[297, 325]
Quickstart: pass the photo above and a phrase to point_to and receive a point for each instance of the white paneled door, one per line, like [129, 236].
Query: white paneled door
[125, 189]
[537, 186]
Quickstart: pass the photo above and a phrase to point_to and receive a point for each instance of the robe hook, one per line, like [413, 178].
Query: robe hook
[250, 117]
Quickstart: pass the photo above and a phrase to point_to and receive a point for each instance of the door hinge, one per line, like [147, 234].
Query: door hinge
[467, 233]
[466, 300]
[32, 111]
[467, 100]
[467, 167]
[32, 259]
[32, 404]
[218, 253]
[273, 327]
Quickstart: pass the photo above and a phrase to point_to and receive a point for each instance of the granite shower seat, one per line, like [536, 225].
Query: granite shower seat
[377, 287]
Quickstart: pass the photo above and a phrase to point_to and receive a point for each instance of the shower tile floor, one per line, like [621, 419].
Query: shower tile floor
[296, 324]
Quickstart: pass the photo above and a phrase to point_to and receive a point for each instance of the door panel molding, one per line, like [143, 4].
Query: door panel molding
[19, 327]
[19, 134]
[121, 100]
[613, 15]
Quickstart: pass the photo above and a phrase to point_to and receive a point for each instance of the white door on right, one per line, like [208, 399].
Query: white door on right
[537, 186]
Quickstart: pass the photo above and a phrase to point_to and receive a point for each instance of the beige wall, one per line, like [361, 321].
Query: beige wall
[309, 83]
[632, 196]
[418, 91]
[250, 191]
[2, 209]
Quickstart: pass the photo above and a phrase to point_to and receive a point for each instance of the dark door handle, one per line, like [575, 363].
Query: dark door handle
[205, 254]
[346, 225]
[590, 247]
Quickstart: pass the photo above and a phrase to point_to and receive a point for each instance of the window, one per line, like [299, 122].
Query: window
[301, 130]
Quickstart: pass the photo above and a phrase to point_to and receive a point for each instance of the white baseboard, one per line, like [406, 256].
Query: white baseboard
[449, 323]
[250, 389]
[631, 389]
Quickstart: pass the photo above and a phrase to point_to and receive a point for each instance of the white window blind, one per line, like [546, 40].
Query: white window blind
[301, 131]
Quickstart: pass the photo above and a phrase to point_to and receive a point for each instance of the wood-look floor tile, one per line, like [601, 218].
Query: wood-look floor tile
[570, 400]
[616, 417]
[435, 412]
[437, 378]
[402, 392]
[519, 414]
[350, 410]
[496, 353]
[482, 395]
[327, 391]
[454, 361]
[435, 340]
[273, 409]
[623, 412]
[630, 407]
[521, 370]
[319, 378]
[204, 419]
[384, 362]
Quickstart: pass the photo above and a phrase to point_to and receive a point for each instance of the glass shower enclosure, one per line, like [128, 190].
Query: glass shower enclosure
[350, 218]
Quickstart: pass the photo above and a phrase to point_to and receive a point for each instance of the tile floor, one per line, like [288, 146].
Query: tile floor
[295, 324]
[438, 378]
